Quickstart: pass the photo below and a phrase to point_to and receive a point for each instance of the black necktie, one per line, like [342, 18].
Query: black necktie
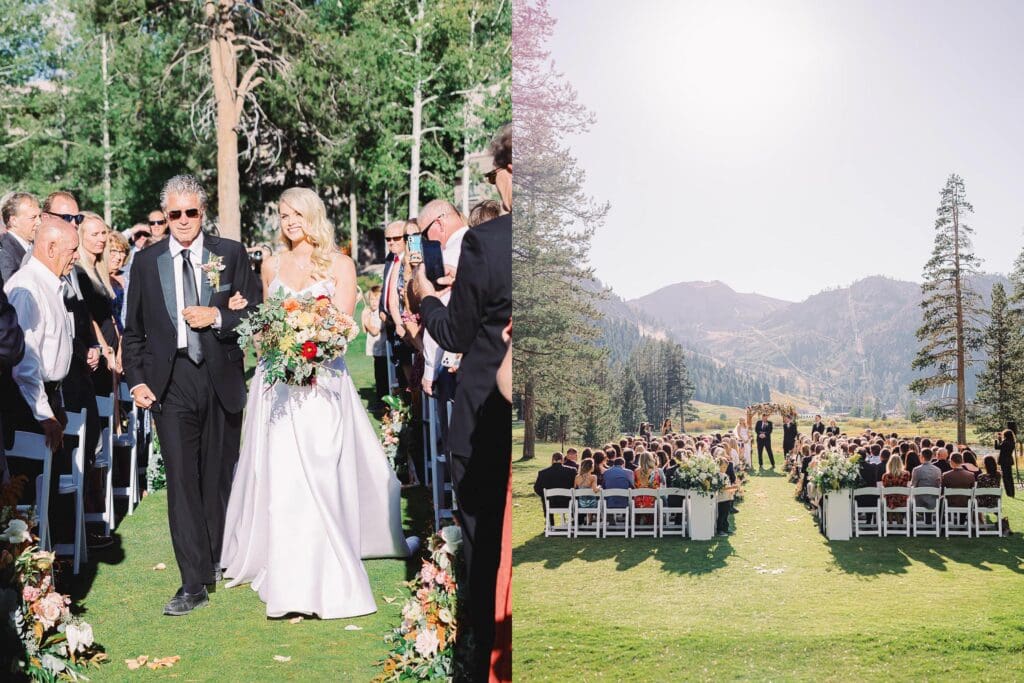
[190, 298]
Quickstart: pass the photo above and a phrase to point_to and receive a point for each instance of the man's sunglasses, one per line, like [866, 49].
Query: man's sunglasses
[176, 214]
[164, 222]
[394, 239]
[75, 218]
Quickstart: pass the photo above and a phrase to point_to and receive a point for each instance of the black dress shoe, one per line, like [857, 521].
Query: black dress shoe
[182, 603]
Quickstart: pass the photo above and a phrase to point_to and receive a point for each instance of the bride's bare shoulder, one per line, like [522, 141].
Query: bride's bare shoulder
[343, 265]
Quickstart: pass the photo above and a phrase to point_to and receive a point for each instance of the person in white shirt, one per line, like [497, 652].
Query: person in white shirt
[440, 221]
[36, 292]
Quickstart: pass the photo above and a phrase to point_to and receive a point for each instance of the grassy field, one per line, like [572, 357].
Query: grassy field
[772, 601]
[231, 640]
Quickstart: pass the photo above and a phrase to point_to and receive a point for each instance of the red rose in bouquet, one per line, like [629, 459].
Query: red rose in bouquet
[309, 350]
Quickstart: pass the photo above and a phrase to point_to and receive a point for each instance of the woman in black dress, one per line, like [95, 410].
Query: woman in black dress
[93, 279]
[1007, 445]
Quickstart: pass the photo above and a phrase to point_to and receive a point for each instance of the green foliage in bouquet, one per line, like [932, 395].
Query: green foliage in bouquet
[392, 428]
[700, 474]
[834, 471]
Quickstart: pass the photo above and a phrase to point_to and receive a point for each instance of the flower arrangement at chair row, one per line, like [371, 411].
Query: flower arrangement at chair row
[835, 471]
[700, 474]
[422, 648]
[296, 336]
[42, 640]
[391, 427]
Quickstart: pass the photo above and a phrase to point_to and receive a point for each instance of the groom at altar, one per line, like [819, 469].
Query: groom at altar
[182, 361]
[763, 429]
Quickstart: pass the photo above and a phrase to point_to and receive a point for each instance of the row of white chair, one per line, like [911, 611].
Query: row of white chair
[615, 512]
[966, 518]
[30, 446]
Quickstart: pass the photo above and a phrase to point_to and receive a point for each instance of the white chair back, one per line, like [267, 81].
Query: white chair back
[644, 520]
[957, 515]
[609, 516]
[924, 519]
[586, 521]
[985, 527]
[867, 518]
[672, 516]
[563, 512]
[28, 446]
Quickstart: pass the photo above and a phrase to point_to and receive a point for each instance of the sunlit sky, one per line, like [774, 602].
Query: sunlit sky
[788, 146]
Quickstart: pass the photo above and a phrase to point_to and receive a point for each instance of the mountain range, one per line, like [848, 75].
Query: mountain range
[843, 347]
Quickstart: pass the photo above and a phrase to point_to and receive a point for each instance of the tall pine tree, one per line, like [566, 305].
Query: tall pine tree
[952, 313]
[999, 384]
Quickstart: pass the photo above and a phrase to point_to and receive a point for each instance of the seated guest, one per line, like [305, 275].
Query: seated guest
[647, 476]
[868, 478]
[618, 477]
[942, 458]
[629, 457]
[971, 463]
[911, 461]
[600, 465]
[957, 478]
[883, 458]
[586, 480]
[895, 475]
[990, 478]
[557, 476]
[571, 459]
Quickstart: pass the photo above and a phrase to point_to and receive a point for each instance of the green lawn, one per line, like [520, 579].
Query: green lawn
[672, 609]
[231, 640]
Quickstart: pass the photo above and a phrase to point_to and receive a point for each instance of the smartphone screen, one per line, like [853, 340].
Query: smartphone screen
[414, 243]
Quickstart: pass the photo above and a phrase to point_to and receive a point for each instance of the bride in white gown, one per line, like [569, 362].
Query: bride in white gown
[313, 493]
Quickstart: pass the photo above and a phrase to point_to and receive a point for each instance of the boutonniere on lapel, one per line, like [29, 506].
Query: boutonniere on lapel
[212, 269]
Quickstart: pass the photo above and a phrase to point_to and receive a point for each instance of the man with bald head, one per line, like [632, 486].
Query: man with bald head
[36, 292]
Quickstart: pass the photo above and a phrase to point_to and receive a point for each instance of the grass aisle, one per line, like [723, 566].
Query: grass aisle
[772, 601]
[231, 640]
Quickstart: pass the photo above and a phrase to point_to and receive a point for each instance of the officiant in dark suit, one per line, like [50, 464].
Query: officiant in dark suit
[818, 427]
[788, 435]
[763, 429]
[182, 361]
[480, 436]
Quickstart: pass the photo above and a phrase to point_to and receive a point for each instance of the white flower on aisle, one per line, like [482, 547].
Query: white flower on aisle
[17, 532]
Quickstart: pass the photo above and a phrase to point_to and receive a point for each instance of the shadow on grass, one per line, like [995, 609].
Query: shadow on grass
[876, 556]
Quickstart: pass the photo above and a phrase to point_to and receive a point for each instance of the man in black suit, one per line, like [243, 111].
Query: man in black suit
[12, 348]
[480, 437]
[788, 435]
[182, 360]
[21, 214]
[763, 428]
[571, 459]
[818, 427]
[558, 476]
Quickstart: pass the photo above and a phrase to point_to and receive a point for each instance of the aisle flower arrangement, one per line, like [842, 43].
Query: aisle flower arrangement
[422, 648]
[42, 640]
[296, 336]
[700, 474]
[834, 471]
[391, 427]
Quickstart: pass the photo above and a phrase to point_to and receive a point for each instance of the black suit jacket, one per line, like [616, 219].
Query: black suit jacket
[818, 427]
[557, 476]
[788, 435]
[765, 427]
[151, 332]
[11, 256]
[479, 309]
[12, 348]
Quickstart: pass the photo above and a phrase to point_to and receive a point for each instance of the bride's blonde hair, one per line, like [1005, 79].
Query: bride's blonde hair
[318, 229]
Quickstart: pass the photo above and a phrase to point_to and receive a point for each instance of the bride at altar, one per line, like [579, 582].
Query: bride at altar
[742, 434]
[313, 493]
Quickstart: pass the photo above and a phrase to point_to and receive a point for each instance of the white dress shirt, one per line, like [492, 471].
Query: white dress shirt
[195, 256]
[432, 353]
[38, 297]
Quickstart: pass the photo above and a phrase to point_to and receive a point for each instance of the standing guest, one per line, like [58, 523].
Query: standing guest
[391, 302]
[480, 436]
[957, 478]
[832, 429]
[486, 210]
[21, 214]
[725, 498]
[93, 279]
[36, 294]
[557, 476]
[666, 426]
[376, 342]
[818, 427]
[157, 223]
[501, 175]
[116, 256]
[1007, 445]
[763, 429]
[12, 350]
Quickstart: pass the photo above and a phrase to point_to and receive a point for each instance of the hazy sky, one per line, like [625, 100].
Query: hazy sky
[787, 146]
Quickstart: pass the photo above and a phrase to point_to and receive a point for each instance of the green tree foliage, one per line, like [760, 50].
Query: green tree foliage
[660, 369]
[999, 385]
[952, 313]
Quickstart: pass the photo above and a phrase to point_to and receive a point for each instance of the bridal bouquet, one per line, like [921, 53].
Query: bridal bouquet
[834, 471]
[700, 474]
[295, 336]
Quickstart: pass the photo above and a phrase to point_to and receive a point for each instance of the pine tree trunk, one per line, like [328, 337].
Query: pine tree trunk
[107, 154]
[417, 123]
[224, 71]
[529, 421]
[961, 398]
[353, 213]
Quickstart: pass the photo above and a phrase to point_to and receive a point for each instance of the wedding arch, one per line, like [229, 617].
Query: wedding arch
[783, 409]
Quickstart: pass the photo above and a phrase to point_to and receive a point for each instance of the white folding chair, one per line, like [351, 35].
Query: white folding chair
[895, 520]
[984, 527]
[957, 518]
[925, 520]
[638, 516]
[586, 521]
[867, 518]
[563, 513]
[129, 439]
[672, 512]
[73, 484]
[28, 446]
[105, 461]
[609, 516]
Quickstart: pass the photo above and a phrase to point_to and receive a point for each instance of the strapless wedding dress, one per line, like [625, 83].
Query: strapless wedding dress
[312, 496]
